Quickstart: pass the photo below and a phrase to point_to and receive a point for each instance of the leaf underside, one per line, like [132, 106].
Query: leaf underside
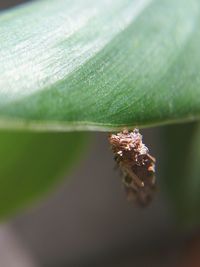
[99, 65]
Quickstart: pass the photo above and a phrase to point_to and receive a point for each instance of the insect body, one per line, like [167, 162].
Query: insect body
[136, 164]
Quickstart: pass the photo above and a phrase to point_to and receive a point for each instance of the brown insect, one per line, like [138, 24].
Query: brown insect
[136, 164]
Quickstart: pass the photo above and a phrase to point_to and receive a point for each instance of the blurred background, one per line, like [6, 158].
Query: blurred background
[87, 221]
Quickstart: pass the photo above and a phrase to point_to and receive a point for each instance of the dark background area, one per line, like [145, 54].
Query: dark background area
[10, 3]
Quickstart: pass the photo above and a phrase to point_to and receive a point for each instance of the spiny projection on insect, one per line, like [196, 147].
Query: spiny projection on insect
[136, 164]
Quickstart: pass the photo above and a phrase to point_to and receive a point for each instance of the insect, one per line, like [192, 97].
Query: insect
[136, 165]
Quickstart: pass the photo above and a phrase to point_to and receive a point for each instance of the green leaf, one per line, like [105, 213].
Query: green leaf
[182, 171]
[99, 64]
[31, 163]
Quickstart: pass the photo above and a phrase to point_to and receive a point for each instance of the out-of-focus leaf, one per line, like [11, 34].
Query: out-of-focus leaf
[182, 173]
[31, 163]
[99, 64]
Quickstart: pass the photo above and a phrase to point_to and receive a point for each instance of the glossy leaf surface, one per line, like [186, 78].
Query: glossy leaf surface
[99, 64]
